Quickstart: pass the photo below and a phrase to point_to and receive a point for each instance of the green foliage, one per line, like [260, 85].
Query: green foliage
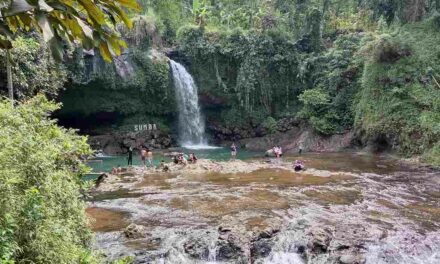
[399, 98]
[270, 124]
[34, 70]
[318, 111]
[88, 23]
[432, 156]
[253, 71]
[42, 219]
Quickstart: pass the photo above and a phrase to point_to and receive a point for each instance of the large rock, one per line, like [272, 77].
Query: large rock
[352, 259]
[319, 239]
[229, 249]
[196, 249]
[134, 231]
[261, 248]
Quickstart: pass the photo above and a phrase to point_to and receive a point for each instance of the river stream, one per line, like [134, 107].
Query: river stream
[346, 208]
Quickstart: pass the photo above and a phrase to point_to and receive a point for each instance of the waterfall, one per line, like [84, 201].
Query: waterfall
[191, 123]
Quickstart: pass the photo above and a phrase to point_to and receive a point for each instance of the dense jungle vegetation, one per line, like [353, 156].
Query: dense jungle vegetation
[368, 66]
[371, 66]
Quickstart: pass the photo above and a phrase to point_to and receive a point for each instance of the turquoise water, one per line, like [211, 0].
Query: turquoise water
[106, 163]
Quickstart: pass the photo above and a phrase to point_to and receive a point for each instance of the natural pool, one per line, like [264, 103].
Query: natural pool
[106, 163]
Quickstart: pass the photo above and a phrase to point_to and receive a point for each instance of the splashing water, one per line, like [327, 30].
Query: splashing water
[191, 123]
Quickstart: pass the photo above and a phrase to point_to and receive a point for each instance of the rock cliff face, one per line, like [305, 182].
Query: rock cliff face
[289, 134]
[118, 143]
[298, 137]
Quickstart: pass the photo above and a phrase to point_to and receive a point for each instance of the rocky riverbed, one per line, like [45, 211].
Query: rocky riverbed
[345, 208]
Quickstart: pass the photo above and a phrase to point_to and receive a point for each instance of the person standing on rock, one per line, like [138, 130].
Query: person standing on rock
[150, 162]
[143, 156]
[130, 157]
[233, 151]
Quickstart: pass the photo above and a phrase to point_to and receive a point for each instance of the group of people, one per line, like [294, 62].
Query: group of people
[146, 157]
[184, 159]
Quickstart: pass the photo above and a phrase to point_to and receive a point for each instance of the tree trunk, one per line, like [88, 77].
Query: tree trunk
[9, 76]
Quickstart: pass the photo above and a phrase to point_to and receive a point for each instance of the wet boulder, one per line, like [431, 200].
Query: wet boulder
[134, 231]
[352, 259]
[228, 250]
[196, 249]
[319, 239]
[229, 245]
[261, 248]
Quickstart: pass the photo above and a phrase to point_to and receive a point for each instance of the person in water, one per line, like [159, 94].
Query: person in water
[143, 156]
[181, 159]
[150, 162]
[233, 151]
[277, 151]
[298, 165]
[192, 158]
[130, 157]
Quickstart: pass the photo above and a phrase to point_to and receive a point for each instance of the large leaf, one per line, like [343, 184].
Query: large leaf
[88, 32]
[44, 6]
[105, 52]
[18, 6]
[129, 3]
[93, 11]
[45, 27]
[90, 23]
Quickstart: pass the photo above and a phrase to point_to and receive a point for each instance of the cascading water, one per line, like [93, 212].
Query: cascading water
[191, 123]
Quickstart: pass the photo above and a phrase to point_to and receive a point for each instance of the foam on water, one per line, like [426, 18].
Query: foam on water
[199, 146]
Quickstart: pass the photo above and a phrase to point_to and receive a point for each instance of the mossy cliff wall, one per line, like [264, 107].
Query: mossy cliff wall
[101, 99]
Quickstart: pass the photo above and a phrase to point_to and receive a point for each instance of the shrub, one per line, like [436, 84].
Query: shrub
[388, 50]
[270, 124]
[42, 219]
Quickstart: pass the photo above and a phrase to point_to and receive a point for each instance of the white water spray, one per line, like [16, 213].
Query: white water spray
[191, 123]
